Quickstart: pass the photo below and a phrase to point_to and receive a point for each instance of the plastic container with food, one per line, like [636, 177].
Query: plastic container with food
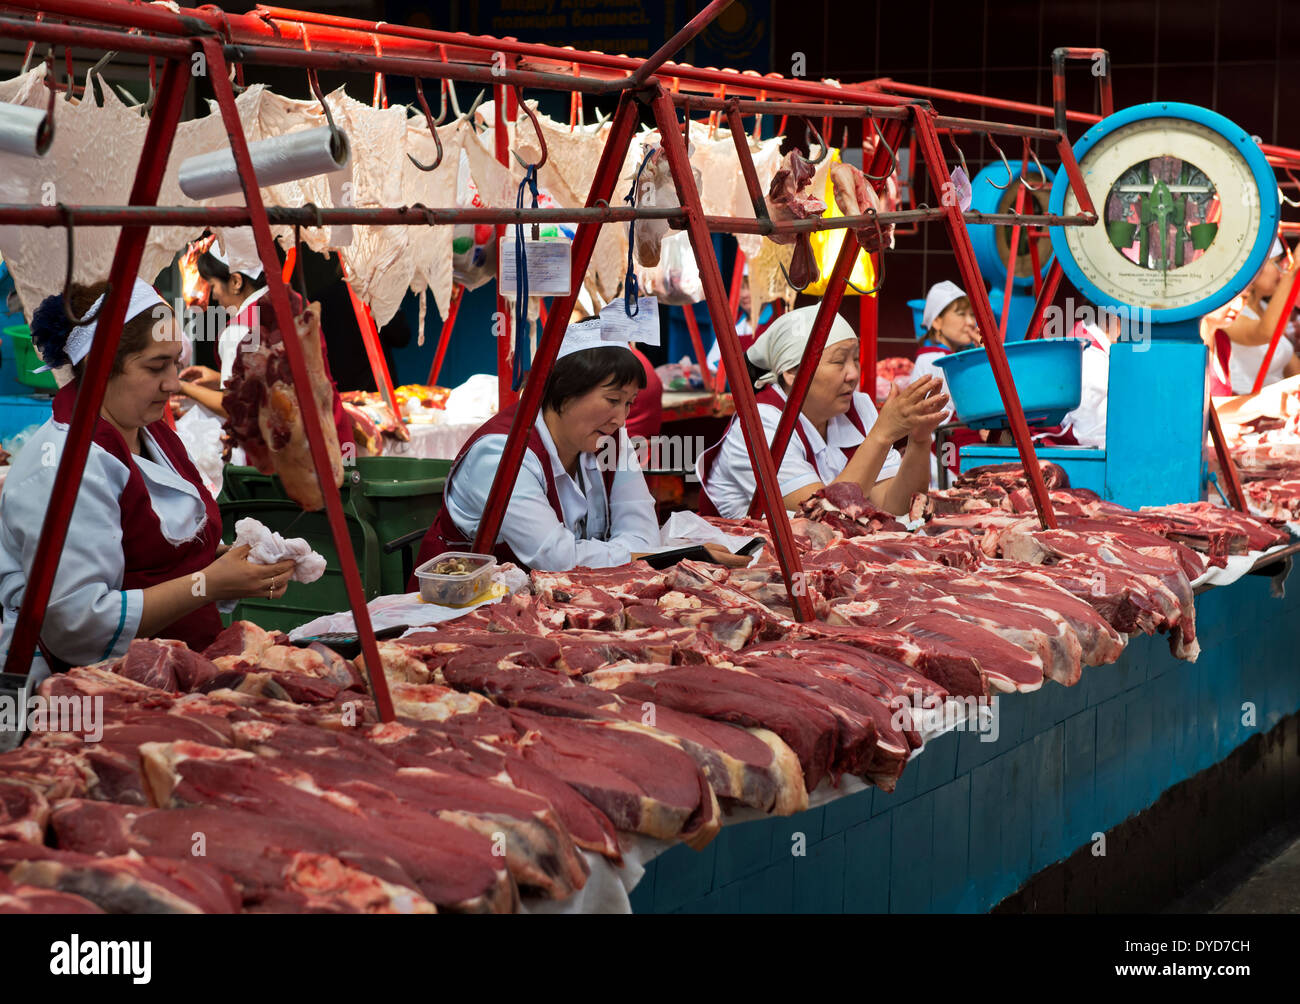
[455, 578]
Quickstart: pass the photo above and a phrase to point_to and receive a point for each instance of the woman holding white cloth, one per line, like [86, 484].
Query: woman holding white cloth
[839, 436]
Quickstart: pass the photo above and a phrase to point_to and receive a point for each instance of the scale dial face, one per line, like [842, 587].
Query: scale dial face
[1180, 213]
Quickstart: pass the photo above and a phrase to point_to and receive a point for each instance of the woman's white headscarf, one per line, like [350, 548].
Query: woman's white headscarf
[781, 346]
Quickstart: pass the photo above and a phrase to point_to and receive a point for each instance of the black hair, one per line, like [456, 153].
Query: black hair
[577, 374]
[211, 267]
[50, 328]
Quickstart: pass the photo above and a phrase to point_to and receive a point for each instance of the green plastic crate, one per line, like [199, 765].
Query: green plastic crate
[384, 500]
[28, 359]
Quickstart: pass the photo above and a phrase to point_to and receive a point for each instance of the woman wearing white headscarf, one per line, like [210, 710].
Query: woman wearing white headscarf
[839, 437]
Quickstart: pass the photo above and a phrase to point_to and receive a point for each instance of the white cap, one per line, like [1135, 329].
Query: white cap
[236, 249]
[1278, 250]
[77, 347]
[587, 335]
[942, 295]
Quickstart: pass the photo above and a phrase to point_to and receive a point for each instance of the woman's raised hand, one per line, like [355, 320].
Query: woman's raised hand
[914, 411]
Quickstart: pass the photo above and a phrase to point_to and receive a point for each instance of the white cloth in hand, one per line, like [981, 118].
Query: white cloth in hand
[267, 547]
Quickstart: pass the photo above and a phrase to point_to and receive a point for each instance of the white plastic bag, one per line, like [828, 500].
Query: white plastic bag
[676, 279]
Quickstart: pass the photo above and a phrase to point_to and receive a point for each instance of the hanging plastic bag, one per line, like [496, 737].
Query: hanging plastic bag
[826, 248]
[473, 245]
[676, 279]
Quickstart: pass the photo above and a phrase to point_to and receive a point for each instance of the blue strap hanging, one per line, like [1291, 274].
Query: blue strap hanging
[522, 362]
[631, 288]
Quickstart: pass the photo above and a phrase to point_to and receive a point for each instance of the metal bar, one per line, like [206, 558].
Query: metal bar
[99, 364]
[1045, 297]
[697, 342]
[584, 242]
[996, 128]
[1226, 463]
[715, 295]
[82, 37]
[1099, 57]
[928, 140]
[233, 216]
[707, 103]
[812, 353]
[747, 169]
[444, 338]
[678, 42]
[279, 297]
[1071, 167]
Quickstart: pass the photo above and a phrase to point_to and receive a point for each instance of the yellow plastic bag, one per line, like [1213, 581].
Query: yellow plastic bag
[826, 248]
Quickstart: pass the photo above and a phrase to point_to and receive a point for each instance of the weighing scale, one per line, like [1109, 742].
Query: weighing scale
[1189, 210]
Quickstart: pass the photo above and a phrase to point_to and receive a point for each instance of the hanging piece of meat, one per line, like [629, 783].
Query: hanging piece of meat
[854, 196]
[264, 417]
[790, 198]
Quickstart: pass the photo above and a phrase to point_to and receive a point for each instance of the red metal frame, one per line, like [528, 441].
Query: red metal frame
[444, 338]
[273, 36]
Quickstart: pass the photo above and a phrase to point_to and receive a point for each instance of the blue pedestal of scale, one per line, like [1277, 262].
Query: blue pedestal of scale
[1157, 409]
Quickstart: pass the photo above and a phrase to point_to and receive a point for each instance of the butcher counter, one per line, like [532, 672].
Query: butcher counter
[1112, 795]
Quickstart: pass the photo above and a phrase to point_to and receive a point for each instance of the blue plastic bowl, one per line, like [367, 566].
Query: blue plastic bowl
[1048, 374]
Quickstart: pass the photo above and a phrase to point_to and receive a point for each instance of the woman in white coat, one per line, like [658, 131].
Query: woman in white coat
[839, 436]
[1239, 347]
[579, 497]
[141, 554]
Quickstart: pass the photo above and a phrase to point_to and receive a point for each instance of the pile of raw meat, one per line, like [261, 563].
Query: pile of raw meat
[605, 702]
[1266, 451]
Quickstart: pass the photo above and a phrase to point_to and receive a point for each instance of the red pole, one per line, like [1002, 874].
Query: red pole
[812, 352]
[1013, 252]
[503, 105]
[584, 242]
[697, 341]
[444, 338]
[1277, 337]
[374, 351]
[868, 336]
[715, 295]
[126, 263]
[279, 296]
[678, 42]
[928, 141]
[1045, 296]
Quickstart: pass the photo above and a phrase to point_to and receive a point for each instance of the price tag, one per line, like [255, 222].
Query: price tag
[548, 266]
[616, 326]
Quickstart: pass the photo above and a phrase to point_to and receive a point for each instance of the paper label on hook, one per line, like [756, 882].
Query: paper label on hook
[616, 326]
[548, 264]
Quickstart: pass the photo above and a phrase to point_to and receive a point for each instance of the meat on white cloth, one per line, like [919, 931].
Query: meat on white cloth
[267, 547]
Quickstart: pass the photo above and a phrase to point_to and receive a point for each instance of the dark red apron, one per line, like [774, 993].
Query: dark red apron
[149, 558]
[770, 396]
[445, 536]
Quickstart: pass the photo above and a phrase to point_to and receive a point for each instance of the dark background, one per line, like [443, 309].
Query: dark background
[1239, 57]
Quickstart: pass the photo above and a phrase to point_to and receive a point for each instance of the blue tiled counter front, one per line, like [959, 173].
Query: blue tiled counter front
[972, 821]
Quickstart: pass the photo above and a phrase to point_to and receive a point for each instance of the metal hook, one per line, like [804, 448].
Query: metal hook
[880, 237]
[45, 135]
[532, 117]
[893, 154]
[1295, 181]
[337, 141]
[91, 315]
[960, 155]
[1037, 163]
[433, 129]
[820, 142]
[1010, 176]
[789, 282]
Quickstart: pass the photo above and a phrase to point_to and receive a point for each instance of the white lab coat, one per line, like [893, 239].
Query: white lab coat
[530, 527]
[1245, 360]
[90, 616]
[925, 367]
[731, 481]
[1088, 421]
